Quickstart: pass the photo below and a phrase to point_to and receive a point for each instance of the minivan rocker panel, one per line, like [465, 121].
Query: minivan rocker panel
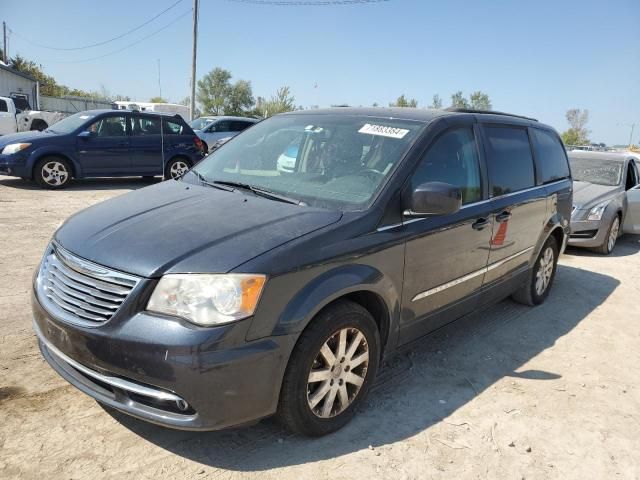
[353, 264]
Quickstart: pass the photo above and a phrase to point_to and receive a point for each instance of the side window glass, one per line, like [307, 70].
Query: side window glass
[172, 128]
[109, 127]
[550, 156]
[223, 126]
[3, 106]
[509, 160]
[141, 126]
[452, 158]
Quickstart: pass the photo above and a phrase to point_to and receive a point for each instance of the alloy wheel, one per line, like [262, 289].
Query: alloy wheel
[54, 173]
[178, 169]
[338, 372]
[545, 270]
[613, 234]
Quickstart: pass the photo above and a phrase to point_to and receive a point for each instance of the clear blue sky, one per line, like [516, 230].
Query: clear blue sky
[537, 58]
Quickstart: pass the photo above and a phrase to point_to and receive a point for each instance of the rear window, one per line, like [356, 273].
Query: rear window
[510, 162]
[3, 106]
[550, 156]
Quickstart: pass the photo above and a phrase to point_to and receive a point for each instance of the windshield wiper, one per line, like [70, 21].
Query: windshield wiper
[211, 184]
[260, 191]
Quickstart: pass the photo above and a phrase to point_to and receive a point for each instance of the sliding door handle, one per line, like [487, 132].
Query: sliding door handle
[480, 223]
[503, 217]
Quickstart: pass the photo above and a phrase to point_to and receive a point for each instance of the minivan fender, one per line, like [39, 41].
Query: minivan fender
[334, 284]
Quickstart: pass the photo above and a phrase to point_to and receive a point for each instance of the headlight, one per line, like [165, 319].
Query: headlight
[207, 299]
[596, 212]
[14, 148]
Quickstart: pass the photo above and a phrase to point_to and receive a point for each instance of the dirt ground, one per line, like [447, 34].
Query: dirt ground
[508, 393]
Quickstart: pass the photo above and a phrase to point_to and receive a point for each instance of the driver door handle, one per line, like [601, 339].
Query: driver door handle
[503, 217]
[480, 223]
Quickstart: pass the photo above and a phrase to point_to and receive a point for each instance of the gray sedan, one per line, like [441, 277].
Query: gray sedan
[606, 199]
[214, 128]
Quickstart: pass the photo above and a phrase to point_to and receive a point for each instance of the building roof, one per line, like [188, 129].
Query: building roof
[17, 73]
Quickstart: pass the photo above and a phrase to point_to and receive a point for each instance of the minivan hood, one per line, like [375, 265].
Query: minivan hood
[176, 227]
[586, 195]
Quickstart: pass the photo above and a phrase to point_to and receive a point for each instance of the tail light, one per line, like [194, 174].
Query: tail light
[199, 144]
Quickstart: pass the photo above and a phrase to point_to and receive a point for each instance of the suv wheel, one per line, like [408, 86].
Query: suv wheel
[176, 167]
[612, 237]
[537, 288]
[52, 173]
[330, 370]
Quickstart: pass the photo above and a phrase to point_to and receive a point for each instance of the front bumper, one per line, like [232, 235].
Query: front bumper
[14, 165]
[166, 371]
[587, 233]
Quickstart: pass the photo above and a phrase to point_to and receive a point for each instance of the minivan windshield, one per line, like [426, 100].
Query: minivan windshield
[324, 160]
[71, 123]
[600, 172]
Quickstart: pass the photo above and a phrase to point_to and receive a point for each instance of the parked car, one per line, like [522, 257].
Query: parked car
[606, 199]
[213, 128]
[16, 115]
[102, 143]
[239, 292]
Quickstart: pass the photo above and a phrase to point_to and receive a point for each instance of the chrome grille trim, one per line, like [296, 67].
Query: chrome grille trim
[78, 291]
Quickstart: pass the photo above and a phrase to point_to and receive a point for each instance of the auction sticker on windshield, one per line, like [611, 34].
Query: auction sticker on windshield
[383, 131]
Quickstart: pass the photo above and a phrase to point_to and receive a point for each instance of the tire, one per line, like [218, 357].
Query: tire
[610, 239]
[537, 288]
[39, 125]
[52, 173]
[176, 167]
[333, 382]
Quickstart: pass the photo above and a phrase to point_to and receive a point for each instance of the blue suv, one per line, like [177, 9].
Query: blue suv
[102, 143]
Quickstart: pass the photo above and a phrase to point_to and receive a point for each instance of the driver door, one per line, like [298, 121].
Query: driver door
[632, 218]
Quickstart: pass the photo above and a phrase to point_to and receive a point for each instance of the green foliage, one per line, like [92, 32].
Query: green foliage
[157, 100]
[218, 96]
[480, 101]
[458, 100]
[436, 102]
[402, 101]
[281, 102]
[577, 134]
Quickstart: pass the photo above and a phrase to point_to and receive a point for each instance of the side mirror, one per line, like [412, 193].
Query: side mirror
[85, 135]
[435, 198]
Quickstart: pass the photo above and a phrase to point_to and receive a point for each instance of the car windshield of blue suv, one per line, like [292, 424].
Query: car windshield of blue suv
[592, 170]
[327, 161]
[71, 123]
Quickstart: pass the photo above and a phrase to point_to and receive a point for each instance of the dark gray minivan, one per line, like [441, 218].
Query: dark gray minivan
[241, 291]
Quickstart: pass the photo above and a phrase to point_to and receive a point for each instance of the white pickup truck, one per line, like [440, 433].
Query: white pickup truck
[13, 119]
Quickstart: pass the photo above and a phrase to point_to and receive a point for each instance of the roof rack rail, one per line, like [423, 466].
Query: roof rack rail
[489, 112]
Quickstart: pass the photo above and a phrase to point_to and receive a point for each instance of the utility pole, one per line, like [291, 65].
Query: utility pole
[193, 59]
[4, 44]
[633, 125]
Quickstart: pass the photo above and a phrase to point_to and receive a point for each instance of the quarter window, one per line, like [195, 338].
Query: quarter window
[453, 159]
[173, 128]
[509, 160]
[550, 156]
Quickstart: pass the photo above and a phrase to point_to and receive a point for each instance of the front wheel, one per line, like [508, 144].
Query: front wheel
[176, 168]
[52, 173]
[541, 276]
[611, 238]
[330, 370]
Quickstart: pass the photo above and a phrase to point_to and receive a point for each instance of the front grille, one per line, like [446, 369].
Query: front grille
[79, 291]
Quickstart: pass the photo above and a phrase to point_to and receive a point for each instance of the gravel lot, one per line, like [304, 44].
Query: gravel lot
[510, 392]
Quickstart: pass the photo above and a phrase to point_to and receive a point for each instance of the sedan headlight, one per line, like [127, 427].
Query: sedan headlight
[596, 212]
[14, 148]
[206, 299]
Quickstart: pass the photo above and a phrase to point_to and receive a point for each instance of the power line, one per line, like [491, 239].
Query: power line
[299, 3]
[99, 43]
[132, 44]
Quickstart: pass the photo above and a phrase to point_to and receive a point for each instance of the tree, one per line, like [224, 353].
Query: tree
[240, 99]
[281, 102]
[436, 102]
[577, 134]
[213, 91]
[480, 101]
[403, 102]
[458, 100]
[157, 100]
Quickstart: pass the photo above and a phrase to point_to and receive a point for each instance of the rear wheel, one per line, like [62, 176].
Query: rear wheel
[330, 370]
[176, 168]
[537, 288]
[611, 238]
[52, 173]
